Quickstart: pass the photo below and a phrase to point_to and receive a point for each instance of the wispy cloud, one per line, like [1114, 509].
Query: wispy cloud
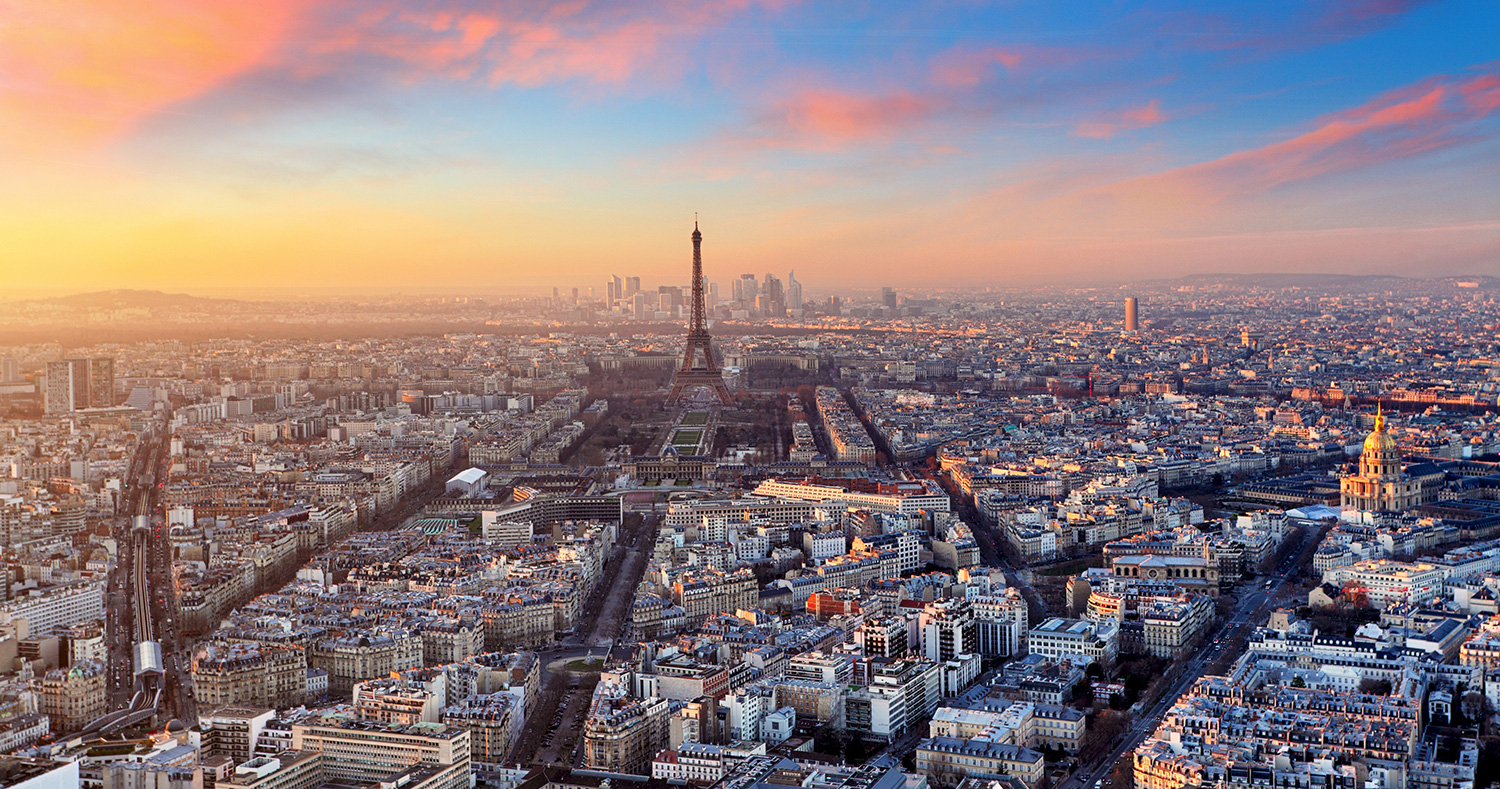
[1110, 124]
[1270, 28]
[962, 85]
[530, 44]
[91, 68]
[966, 68]
[831, 119]
[1432, 114]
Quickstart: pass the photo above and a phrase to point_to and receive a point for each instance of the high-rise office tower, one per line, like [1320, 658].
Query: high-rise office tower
[1132, 315]
[749, 289]
[632, 286]
[888, 298]
[670, 295]
[773, 296]
[10, 371]
[79, 383]
[614, 289]
[793, 291]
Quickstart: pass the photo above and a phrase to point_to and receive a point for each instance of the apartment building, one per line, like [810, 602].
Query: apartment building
[74, 384]
[1171, 624]
[1058, 638]
[706, 592]
[622, 734]
[900, 696]
[1023, 723]
[354, 658]
[493, 721]
[1386, 581]
[234, 731]
[888, 637]
[46, 610]
[1001, 623]
[399, 701]
[71, 697]
[946, 761]
[248, 672]
[948, 629]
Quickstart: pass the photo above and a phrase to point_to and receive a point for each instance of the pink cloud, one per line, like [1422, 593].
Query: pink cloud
[965, 68]
[593, 41]
[961, 84]
[89, 69]
[1110, 125]
[1426, 116]
[1231, 192]
[831, 119]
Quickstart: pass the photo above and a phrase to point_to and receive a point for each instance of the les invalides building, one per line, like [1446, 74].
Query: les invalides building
[1380, 485]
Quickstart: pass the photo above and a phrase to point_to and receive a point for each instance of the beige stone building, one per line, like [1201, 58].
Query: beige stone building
[946, 761]
[247, 672]
[71, 697]
[493, 723]
[707, 592]
[623, 734]
[351, 659]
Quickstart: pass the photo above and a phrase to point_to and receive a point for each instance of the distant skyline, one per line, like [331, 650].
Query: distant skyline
[206, 145]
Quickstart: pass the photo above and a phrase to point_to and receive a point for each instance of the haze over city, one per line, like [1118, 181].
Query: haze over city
[753, 394]
[214, 145]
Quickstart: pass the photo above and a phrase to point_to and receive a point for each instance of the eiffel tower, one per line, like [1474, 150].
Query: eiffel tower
[698, 365]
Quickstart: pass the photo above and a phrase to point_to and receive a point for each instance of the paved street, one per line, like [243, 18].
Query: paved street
[1254, 606]
[606, 613]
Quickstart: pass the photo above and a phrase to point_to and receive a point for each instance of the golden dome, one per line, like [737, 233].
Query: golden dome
[1379, 440]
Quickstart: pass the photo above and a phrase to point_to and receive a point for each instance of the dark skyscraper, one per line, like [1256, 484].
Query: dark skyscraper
[1132, 315]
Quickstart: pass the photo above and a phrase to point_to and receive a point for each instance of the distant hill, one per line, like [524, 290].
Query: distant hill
[1293, 280]
[1348, 282]
[134, 299]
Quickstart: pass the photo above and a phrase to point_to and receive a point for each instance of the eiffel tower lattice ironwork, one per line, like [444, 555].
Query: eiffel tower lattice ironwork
[699, 368]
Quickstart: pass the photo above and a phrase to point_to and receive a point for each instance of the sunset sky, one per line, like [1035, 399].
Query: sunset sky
[212, 144]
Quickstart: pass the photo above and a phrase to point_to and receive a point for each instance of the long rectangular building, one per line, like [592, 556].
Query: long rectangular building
[363, 751]
[59, 606]
[906, 497]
